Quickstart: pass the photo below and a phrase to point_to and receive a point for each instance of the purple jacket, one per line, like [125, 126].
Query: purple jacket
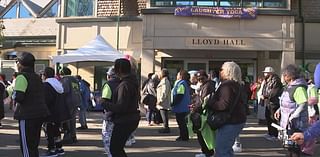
[312, 132]
[317, 76]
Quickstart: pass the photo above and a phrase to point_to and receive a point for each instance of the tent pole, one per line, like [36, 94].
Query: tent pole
[77, 64]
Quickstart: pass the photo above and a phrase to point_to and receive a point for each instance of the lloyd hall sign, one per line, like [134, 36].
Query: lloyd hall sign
[218, 42]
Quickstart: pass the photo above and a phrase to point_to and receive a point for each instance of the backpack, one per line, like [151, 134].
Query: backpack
[72, 93]
[75, 91]
[61, 108]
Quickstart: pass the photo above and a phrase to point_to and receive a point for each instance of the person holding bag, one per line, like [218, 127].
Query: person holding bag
[228, 98]
[150, 98]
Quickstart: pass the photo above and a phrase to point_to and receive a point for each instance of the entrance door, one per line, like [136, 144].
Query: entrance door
[248, 68]
[196, 65]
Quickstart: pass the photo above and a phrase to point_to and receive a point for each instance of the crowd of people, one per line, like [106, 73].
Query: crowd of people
[197, 99]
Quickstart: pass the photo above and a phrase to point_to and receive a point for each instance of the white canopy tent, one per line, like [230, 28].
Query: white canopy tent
[97, 50]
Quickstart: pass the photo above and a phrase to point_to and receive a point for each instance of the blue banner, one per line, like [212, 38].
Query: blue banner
[220, 12]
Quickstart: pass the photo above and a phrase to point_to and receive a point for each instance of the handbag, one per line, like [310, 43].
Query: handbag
[217, 119]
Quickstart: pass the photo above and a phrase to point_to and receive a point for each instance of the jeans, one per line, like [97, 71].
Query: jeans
[225, 137]
[83, 117]
[165, 118]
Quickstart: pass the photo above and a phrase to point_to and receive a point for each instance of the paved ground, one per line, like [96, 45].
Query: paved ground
[149, 142]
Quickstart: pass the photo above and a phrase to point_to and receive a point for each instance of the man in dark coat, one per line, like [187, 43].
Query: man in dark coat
[30, 108]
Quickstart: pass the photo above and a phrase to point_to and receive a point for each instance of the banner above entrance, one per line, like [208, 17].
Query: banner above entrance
[220, 12]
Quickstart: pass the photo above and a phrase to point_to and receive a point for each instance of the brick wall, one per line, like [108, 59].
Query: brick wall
[128, 7]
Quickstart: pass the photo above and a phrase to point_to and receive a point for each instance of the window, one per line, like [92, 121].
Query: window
[24, 13]
[12, 13]
[222, 3]
[162, 3]
[207, 3]
[184, 3]
[79, 7]
[249, 3]
[274, 3]
[52, 12]
[230, 3]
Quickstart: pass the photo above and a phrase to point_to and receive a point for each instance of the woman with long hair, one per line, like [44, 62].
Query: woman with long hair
[229, 98]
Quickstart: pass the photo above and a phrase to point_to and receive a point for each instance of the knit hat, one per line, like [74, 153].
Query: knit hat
[26, 59]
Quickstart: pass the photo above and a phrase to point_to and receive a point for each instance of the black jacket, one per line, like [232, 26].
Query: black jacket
[2, 90]
[113, 84]
[225, 97]
[31, 103]
[125, 101]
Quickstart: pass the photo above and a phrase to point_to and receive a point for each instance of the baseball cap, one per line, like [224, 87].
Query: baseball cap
[26, 59]
[268, 70]
[202, 73]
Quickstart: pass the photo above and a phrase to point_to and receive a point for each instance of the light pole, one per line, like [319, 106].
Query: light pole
[118, 23]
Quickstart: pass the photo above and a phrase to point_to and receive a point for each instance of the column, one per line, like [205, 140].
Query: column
[288, 57]
[147, 63]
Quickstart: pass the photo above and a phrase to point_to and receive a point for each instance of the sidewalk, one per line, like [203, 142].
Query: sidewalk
[148, 141]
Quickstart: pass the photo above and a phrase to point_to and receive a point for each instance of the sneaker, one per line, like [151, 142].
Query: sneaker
[133, 140]
[50, 153]
[272, 138]
[237, 147]
[60, 151]
[128, 143]
[82, 127]
[200, 155]
[164, 130]
[182, 139]
[267, 136]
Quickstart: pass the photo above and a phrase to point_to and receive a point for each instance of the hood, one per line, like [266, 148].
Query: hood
[299, 81]
[55, 84]
[132, 79]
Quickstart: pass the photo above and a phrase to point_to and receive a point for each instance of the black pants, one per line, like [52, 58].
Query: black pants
[204, 148]
[69, 128]
[165, 117]
[29, 131]
[54, 135]
[269, 113]
[120, 134]
[182, 119]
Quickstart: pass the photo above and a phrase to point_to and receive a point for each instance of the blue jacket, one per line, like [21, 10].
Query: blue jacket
[312, 132]
[183, 105]
[85, 94]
